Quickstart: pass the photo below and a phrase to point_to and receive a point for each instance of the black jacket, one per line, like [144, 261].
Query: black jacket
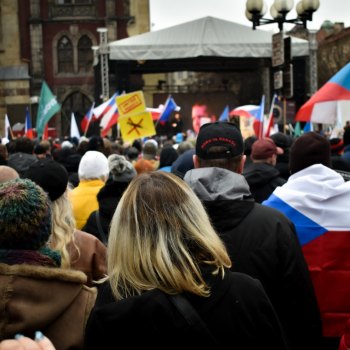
[262, 243]
[238, 312]
[108, 198]
[262, 179]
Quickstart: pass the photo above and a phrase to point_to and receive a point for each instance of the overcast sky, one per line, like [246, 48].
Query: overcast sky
[166, 13]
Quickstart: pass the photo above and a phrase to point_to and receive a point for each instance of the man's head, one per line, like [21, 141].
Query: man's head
[309, 149]
[265, 151]
[219, 144]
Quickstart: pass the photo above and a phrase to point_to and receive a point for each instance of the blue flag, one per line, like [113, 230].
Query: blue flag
[170, 106]
[224, 115]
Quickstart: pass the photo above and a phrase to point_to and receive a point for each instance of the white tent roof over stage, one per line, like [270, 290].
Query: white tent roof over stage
[206, 36]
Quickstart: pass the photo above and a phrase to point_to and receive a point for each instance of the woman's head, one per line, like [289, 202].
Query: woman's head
[160, 235]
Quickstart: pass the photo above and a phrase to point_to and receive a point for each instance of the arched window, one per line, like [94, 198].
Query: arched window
[65, 56]
[85, 54]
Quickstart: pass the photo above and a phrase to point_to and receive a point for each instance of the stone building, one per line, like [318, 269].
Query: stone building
[52, 40]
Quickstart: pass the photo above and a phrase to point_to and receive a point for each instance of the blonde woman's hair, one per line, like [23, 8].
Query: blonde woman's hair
[62, 229]
[160, 237]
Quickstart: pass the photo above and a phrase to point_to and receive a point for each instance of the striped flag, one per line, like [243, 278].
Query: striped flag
[316, 199]
[28, 130]
[322, 106]
[169, 107]
[87, 119]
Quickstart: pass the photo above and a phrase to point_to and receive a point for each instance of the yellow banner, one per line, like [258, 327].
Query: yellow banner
[136, 126]
[131, 103]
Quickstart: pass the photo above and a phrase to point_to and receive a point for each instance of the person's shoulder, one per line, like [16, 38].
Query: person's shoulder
[269, 213]
[127, 309]
[85, 238]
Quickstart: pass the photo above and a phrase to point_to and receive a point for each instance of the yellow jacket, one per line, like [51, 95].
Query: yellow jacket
[84, 200]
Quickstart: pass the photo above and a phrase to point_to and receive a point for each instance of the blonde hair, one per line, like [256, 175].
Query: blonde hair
[160, 237]
[62, 229]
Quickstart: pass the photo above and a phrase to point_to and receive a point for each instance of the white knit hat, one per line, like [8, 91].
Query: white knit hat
[93, 165]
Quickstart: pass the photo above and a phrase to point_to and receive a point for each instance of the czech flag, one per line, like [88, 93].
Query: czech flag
[28, 130]
[252, 111]
[316, 199]
[322, 106]
[88, 118]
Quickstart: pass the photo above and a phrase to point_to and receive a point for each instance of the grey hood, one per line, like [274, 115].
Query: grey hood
[211, 184]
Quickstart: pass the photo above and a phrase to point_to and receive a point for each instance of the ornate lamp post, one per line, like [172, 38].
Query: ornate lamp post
[256, 9]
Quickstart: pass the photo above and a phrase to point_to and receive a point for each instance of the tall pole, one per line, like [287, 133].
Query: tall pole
[313, 61]
[104, 63]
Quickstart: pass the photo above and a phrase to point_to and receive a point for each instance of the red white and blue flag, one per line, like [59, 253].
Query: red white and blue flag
[108, 114]
[169, 107]
[322, 106]
[252, 111]
[88, 118]
[316, 199]
[28, 130]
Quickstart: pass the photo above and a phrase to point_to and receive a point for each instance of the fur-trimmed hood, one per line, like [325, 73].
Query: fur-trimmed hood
[53, 300]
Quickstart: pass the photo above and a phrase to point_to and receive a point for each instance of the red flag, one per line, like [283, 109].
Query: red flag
[46, 132]
[28, 126]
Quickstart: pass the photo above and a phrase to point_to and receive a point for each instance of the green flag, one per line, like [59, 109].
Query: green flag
[297, 130]
[48, 107]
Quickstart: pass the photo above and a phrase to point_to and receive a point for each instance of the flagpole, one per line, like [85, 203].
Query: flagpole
[284, 115]
[90, 117]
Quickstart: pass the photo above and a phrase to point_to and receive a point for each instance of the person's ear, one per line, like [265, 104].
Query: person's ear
[195, 161]
[241, 165]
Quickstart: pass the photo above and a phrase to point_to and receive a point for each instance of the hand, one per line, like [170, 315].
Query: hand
[24, 343]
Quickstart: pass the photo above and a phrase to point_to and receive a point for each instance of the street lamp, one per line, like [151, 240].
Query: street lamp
[256, 9]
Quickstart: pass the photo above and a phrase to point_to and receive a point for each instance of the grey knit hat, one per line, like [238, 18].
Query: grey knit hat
[121, 169]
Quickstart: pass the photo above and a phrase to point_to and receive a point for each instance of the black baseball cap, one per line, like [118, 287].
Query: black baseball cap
[223, 134]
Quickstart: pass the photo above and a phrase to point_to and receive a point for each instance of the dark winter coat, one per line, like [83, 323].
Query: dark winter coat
[238, 312]
[262, 179]
[262, 243]
[108, 198]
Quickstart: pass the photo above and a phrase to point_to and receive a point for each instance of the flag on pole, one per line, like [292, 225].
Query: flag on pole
[268, 125]
[87, 119]
[169, 107]
[108, 114]
[8, 130]
[248, 111]
[28, 131]
[297, 129]
[101, 110]
[258, 124]
[322, 106]
[224, 115]
[74, 131]
[48, 107]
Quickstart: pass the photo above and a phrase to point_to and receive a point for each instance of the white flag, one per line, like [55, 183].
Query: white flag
[7, 127]
[74, 131]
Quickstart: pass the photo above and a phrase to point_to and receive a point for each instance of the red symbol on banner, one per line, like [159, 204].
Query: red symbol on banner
[135, 126]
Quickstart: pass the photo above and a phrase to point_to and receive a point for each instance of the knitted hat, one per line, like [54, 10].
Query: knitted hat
[221, 134]
[25, 216]
[93, 165]
[121, 169]
[264, 148]
[50, 175]
[309, 149]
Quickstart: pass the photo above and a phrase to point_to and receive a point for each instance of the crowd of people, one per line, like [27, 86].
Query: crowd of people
[205, 241]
